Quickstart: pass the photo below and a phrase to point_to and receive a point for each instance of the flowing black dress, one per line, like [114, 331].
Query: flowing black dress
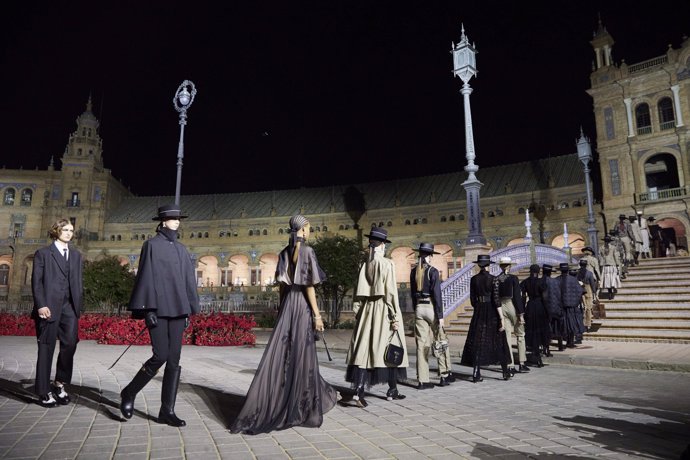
[288, 389]
[537, 323]
[485, 344]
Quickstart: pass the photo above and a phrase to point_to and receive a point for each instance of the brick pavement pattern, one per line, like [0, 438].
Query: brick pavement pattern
[557, 411]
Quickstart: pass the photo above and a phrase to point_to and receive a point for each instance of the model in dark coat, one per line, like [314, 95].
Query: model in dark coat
[552, 301]
[165, 296]
[571, 297]
[537, 327]
[56, 284]
[486, 341]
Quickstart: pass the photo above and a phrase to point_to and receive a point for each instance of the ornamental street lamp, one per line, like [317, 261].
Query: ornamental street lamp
[184, 96]
[584, 154]
[465, 67]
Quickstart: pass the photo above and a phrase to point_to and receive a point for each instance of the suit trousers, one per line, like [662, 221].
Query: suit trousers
[166, 341]
[426, 325]
[627, 248]
[66, 330]
[512, 327]
[588, 303]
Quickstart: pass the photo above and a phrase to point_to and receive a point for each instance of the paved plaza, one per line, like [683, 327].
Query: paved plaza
[608, 408]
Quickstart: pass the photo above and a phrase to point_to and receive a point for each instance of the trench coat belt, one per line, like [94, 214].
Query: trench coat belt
[423, 301]
[484, 298]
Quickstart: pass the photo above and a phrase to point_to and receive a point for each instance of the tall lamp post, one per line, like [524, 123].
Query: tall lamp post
[465, 67]
[584, 154]
[184, 96]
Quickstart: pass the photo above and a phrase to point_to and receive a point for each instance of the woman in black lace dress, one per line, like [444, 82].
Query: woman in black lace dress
[486, 342]
[538, 327]
[288, 389]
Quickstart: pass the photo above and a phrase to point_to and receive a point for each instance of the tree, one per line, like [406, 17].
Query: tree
[107, 283]
[340, 258]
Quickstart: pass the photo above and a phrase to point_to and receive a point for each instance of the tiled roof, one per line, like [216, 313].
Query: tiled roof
[523, 177]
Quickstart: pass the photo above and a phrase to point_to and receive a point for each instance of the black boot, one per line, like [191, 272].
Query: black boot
[477, 375]
[540, 363]
[560, 344]
[506, 373]
[171, 380]
[129, 393]
[359, 396]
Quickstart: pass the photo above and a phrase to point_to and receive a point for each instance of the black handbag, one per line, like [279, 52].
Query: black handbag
[394, 354]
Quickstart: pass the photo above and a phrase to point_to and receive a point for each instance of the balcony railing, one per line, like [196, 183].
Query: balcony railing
[73, 203]
[654, 62]
[660, 195]
[644, 130]
[667, 125]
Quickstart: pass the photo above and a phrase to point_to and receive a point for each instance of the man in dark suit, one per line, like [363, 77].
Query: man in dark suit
[56, 283]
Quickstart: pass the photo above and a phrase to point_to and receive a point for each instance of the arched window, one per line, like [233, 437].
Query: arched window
[221, 234]
[342, 227]
[135, 237]
[27, 196]
[443, 218]
[452, 218]
[380, 224]
[112, 237]
[491, 214]
[667, 119]
[191, 235]
[143, 237]
[347, 227]
[4, 274]
[643, 119]
[461, 217]
[563, 205]
[317, 229]
[265, 232]
[424, 220]
[373, 225]
[415, 222]
[280, 231]
[119, 237]
[577, 204]
[9, 197]
[325, 228]
[251, 232]
[389, 224]
[407, 221]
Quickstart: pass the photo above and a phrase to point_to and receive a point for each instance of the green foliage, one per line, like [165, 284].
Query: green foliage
[340, 258]
[107, 283]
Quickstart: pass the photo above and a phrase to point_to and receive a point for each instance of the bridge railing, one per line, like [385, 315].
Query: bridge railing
[456, 289]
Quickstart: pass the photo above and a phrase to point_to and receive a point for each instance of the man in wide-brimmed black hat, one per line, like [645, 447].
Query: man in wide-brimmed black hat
[165, 296]
[508, 295]
[425, 288]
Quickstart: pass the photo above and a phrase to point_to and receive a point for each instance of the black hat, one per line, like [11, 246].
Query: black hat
[651, 219]
[169, 211]
[564, 266]
[588, 249]
[426, 248]
[379, 234]
[483, 260]
[622, 216]
[534, 268]
[583, 263]
[547, 267]
[632, 218]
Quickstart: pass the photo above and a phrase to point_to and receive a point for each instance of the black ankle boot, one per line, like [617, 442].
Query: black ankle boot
[171, 381]
[506, 373]
[129, 393]
[477, 375]
[359, 396]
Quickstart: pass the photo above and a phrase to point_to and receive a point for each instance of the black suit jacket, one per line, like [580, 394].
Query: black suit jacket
[51, 281]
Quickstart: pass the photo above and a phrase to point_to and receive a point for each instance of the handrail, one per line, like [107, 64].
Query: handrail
[456, 289]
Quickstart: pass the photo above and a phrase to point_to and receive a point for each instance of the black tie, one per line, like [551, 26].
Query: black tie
[65, 253]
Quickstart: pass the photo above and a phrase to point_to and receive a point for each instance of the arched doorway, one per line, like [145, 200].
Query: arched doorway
[674, 232]
[575, 241]
[207, 272]
[403, 259]
[268, 263]
[239, 264]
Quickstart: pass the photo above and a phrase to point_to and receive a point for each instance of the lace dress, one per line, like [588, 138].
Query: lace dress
[288, 389]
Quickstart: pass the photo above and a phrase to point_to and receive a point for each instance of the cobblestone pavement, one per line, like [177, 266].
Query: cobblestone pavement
[557, 411]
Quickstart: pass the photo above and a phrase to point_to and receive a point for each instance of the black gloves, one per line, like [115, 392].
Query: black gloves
[151, 319]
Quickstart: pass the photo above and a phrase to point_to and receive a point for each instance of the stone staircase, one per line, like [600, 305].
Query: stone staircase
[652, 305]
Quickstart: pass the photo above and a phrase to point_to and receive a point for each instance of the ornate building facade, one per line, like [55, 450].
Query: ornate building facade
[640, 113]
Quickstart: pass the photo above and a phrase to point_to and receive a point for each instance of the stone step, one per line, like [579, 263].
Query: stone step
[674, 336]
[654, 276]
[613, 305]
[632, 324]
[649, 283]
[649, 314]
[665, 290]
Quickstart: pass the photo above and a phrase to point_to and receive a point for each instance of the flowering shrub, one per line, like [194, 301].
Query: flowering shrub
[214, 329]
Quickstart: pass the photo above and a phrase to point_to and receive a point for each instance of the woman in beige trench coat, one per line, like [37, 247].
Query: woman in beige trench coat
[378, 319]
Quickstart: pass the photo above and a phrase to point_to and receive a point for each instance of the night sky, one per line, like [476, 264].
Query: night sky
[297, 94]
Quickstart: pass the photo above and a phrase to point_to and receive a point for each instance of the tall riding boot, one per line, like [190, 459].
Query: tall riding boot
[476, 375]
[393, 392]
[560, 344]
[129, 393]
[171, 380]
[506, 373]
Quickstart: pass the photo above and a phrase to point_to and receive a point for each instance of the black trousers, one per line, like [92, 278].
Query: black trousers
[166, 341]
[66, 330]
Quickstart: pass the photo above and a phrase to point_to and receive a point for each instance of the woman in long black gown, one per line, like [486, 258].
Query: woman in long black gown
[538, 330]
[288, 389]
[486, 342]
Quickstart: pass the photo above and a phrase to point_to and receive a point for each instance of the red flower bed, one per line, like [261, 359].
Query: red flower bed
[214, 329]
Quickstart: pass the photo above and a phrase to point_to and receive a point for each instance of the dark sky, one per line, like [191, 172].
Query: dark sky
[297, 94]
